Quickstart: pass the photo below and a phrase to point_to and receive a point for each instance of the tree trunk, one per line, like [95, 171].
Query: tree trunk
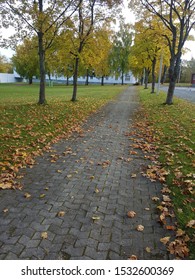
[30, 81]
[146, 78]
[173, 75]
[87, 78]
[67, 80]
[42, 69]
[75, 78]
[163, 75]
[122, 77]
[102, 81]
[153, 74]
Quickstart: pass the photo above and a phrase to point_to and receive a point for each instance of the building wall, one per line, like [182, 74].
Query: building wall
[13, 78]
[7, 78]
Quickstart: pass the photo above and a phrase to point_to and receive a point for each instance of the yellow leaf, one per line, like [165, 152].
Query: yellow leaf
[131, 214]
[132, 257]
[61, 214]
[42, 195]
[191, 224]
[148, 250]
[44, 235]
[27, 195]
[140, 228]
[165, 240]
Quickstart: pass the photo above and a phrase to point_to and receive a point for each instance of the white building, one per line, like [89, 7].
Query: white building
[15, 77]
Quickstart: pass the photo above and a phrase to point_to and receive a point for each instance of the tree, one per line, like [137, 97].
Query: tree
[44, 18]
[5, 65]
[121, 50]
[178, 18]
[90, 15]
[26, 60]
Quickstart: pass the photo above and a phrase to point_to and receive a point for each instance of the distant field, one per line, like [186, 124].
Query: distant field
[27, 128]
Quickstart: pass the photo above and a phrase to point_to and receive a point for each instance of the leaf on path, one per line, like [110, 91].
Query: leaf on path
[165, 240]
[155, 198]
[133, 175]
[131, 214]
[97, 190]
[147, 209]
[44, 235]
[42, 195]
[132, 257]
[95, 218]
[148, 249]
[27, 195]
[5, 186]
[61, 213]
[5, 210]
[140, 228]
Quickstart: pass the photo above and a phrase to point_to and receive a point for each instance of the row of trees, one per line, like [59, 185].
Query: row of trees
[71, 22]
[72, 37]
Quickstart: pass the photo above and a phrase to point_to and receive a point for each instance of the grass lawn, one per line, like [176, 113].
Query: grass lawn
[26, 128]
[171, 129]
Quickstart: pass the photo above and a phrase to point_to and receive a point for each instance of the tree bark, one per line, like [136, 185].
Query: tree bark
[75, 79]
[102, 81]
[30, 81]
[153, 74]
[42, 69]
[122, 78]
[146, 78]
[87, 78]
[173, 75]
[163, 75]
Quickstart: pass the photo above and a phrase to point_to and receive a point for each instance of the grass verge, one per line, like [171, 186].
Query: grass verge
[27, 129]
[171, 129]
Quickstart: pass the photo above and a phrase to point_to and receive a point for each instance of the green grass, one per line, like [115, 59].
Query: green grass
[27, 128]
[174, 129]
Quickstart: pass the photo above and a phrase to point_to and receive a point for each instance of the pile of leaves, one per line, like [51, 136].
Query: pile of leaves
[166, 135]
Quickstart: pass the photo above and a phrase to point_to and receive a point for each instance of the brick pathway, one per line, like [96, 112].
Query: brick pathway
[89, 181]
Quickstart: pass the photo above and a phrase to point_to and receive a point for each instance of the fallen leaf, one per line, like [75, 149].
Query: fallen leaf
[133, 175]
[42, 195]
[148, 250]
[147, 209]
[131, 214]
[61, 214]
[166, 198]
[132, 257]
[97, 190]
[27, 195]
[95, 218]
[165, 240]
[191, 224]
[5, 210]
[140, 228]
[170, 227]
[44, 235]
[155, 198]
[69, 176]
[59, 171]
[180, 232]
[5, 186]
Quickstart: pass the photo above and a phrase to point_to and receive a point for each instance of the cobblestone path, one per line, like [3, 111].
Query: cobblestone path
[81, 192]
